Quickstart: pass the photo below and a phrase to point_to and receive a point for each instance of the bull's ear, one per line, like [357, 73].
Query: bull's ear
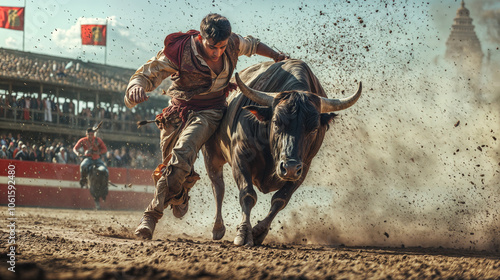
[262, 113]
[326, 118]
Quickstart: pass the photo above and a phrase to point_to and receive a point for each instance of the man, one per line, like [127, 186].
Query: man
[62, 156]
[23, 154]
[200, 64]
[3, 152]
[93, 148]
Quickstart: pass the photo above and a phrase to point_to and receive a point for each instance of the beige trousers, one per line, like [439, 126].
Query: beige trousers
[180, 147]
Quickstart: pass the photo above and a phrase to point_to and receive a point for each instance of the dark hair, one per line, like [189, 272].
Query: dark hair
[90, 129]
[215, 27]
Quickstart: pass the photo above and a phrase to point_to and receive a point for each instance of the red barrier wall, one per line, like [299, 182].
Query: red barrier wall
[57, 185]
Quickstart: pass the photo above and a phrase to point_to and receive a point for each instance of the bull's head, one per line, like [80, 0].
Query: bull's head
[297, 122]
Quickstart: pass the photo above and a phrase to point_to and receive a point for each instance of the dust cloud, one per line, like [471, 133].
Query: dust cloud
[416, 162]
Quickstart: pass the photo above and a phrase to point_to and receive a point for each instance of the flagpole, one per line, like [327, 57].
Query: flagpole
[24, 25]
[106, 46]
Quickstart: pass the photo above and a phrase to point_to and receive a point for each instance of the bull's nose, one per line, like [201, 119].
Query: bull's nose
[290, 169]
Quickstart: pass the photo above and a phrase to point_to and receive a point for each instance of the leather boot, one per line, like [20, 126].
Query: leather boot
[181, 209]
[146, 227]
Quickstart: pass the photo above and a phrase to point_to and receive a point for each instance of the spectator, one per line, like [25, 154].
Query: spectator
[118, 158]
[26, 108]
[47, 109]
[10, 150]
[18, 148]
[22, 154]
[3, 152]
[125, 157]
[33, 155]
[49, 154]
[41, 154]
[62, 156]
[109, 159]
[37, 107]
[72, 157]
[58, 147]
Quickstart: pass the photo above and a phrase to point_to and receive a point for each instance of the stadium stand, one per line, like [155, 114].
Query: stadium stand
[60, 97]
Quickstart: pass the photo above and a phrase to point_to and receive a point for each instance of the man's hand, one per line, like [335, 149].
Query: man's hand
[279, 56]
[137, 94]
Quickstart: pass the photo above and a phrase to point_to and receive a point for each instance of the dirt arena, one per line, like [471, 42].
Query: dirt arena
[86, 244]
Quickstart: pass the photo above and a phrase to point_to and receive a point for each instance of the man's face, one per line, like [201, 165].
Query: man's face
[212, 51]
[90, 135]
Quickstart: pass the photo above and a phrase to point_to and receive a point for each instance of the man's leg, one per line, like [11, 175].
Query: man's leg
[181, 178]
[168, 136]
[179, 149]
[84, 169]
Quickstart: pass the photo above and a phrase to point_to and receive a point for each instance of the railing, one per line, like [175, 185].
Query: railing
[67, 120]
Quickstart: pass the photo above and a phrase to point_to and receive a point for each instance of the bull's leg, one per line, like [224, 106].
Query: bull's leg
[214, 163]
[97, 204]
[218, 189]
[278, 202]
[248, 199]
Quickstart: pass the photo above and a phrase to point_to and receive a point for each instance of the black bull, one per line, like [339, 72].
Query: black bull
[98, 182]
[269, 135]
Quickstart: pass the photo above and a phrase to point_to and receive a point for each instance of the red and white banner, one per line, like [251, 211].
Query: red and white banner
[41, 184]
[94, 34]
[12, 18]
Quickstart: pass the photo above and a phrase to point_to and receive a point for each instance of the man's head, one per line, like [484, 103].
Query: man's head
[214, 35]
[90, 133]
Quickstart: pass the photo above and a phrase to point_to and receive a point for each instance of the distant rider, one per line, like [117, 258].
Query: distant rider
[93, 148]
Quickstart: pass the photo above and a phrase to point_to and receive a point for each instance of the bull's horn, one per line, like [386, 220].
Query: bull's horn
[333, 104]
[263, 98]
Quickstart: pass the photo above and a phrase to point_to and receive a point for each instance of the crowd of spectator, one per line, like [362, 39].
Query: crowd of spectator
[24, 106]
[49, 110]
[43, 68]
[58, 151]
[31, 66]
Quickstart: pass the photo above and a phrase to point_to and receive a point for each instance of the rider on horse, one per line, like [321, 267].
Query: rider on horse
[93, 148]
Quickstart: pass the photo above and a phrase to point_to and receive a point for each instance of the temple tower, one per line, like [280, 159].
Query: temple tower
[463, 47]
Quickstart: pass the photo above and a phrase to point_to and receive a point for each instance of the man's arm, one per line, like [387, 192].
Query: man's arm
[264, 50]
[102, 146]
[148, 77]
[250, 45]
[77, 147]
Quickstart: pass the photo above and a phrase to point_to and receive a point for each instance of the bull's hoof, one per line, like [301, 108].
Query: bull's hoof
[259, 233]
[244, 236]
[218, 231]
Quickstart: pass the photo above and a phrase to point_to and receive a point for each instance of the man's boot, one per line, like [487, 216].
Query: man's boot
[146, 227]
[181, 209]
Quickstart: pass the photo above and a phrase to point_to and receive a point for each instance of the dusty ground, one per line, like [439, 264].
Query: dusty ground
[84, 244]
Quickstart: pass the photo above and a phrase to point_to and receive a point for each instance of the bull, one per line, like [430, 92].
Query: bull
[98, 182]
[269, 135]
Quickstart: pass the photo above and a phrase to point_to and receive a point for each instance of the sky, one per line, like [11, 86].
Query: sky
[303, 29]
[416, 161]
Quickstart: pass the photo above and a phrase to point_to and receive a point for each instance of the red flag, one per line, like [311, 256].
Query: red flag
[12, 18]
[94, 34]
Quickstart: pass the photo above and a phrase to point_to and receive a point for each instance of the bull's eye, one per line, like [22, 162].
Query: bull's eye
[314, 131]
[277, 126]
